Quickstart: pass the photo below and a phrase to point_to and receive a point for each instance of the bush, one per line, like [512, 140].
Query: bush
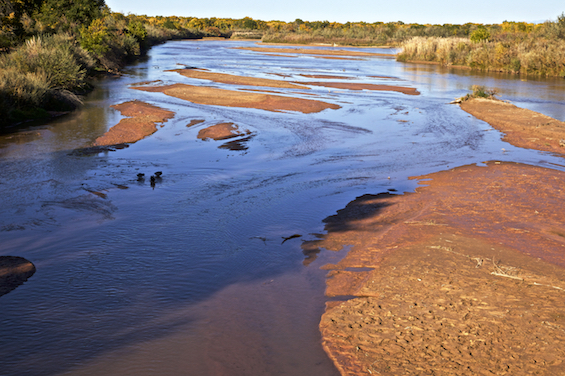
[137, 30]
[23, 90]
[479, 35]
[46, 55]
[482, 92]
[95, 38]
[40, 75]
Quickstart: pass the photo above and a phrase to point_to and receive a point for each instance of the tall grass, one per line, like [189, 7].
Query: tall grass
[42, 73]
[531, 56]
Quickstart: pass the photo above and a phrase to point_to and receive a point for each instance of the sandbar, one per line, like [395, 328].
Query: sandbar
[464, 277]
[327, 76]
[222, 131]
[236, 80]
[522, 127]
[232, 98]
[140, 123]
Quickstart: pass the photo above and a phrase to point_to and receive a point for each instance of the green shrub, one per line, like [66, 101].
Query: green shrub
[55, 60]
[479, 91]
[479, 35]
[137, 30]
[23, 89]
[95, 38]
[39, 75]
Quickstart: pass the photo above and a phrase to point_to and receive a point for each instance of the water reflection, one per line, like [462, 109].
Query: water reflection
[237, 145]
[539, 94]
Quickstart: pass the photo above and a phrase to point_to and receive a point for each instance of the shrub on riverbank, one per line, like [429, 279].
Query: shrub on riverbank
[479, 91]
[43, 73]
[46, 71]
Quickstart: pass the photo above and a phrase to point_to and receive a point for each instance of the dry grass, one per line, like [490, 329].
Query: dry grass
[532, 56]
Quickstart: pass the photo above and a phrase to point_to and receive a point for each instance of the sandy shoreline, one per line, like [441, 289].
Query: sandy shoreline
[522, 127]
[232, 98]
[464, 277]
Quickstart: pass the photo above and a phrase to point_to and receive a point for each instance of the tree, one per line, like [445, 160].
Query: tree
[81, 12]
[479, 35]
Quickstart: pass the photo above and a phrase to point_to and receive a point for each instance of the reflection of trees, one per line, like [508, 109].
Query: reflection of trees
[83, 126]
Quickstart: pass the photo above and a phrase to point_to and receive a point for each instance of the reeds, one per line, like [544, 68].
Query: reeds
[530, 56]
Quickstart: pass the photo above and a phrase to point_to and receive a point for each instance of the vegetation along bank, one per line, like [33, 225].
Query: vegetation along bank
[49, 49]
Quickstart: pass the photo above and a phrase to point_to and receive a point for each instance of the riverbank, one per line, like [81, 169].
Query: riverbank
[521, 127]
[465, 276]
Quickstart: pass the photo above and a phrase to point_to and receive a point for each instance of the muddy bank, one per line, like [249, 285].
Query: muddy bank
[231, 98]
[236, 80]
[140, 123]
[466, 276]
[14, 271]
[522, 127]
[313, 51]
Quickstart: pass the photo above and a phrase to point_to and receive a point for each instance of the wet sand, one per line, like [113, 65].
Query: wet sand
[522, 127]
[241, 80]
[236, 80]
[140, 123]
[337, 58]
[222, 131]
[195, 122]
[231, 98]
[313, 51]
[464, 277]
[326, 76]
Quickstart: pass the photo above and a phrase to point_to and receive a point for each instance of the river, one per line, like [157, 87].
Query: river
[193, 276]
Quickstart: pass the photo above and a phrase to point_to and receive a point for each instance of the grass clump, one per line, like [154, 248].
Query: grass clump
[479, 91]
[43, 73]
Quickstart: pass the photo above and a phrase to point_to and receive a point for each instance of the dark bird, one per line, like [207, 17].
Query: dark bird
[158, 174]
[152, 181]
[140, 176]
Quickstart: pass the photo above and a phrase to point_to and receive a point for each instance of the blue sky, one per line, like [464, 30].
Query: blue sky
[408, 11]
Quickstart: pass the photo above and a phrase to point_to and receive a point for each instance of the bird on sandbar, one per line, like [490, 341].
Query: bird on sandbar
[158, 174]
[140, 176]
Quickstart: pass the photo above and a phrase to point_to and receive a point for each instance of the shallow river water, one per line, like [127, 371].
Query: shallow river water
[192, 276]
